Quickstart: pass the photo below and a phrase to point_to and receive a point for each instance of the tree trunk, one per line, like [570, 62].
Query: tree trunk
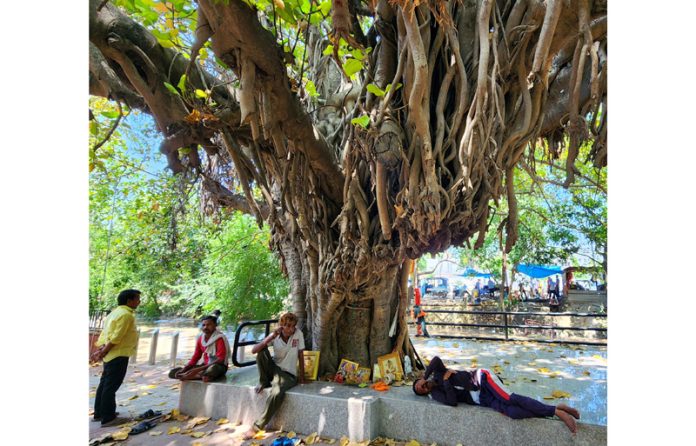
[472, 86]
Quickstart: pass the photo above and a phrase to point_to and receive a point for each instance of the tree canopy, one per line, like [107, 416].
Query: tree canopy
[365, 133]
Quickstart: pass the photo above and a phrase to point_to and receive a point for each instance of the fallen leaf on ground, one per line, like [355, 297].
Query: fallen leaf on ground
[199, 434]
[412, 443]
[197, 421]
[222, 421]
[259, 435]
[291, 434]
[174, 430]
[120, 435]
[543, 370]
[197, 443]
[133, 397]
[560, 394]
[311, 438]
[156, 433]
[151, 386]
[343, 441]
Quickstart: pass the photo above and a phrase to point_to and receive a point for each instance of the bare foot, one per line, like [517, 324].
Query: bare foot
[571, 410]
[567, 419]
[248, 435]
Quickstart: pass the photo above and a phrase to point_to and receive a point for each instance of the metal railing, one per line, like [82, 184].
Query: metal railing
[238, 344]
[96, 319]
[506, 325]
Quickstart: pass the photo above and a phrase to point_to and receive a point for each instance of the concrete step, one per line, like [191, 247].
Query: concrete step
[334, 410]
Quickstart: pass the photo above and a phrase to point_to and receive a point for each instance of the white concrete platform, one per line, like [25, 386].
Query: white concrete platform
[334, 410]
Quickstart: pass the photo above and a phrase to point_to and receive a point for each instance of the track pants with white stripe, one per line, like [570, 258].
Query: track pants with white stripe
[495, 396]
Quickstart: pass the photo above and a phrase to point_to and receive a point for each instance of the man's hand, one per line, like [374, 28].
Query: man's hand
[448, 373]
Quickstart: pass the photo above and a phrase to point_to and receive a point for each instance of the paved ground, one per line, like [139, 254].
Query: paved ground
[536, 370]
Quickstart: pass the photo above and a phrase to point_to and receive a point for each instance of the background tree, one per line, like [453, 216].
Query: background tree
[374, 131]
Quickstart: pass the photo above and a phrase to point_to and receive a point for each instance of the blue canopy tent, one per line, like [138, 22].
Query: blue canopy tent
[538, 271]
[471, 272]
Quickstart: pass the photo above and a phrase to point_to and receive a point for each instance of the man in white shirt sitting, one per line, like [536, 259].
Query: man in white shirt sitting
[280, 373]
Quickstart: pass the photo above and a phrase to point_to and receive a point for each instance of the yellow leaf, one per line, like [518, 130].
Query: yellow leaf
[343, 441]
[161, 404]
[196, 443]
[543, 370]
[412, 443]
[560, 394]
[311, 438]
[151, 386]
[291, 434]
[120, 435]
[331, 441]
[222, 421]
[156, 433]
[133, 397]
[198, 421]
[260, 435]
[198, 434]
[175, 412]
[174, 430]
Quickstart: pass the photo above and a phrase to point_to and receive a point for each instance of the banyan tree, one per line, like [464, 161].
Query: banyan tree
[365, 133]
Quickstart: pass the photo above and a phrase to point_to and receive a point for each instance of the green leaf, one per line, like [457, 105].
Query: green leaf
[111, 114]
[311, 89]
[375, 90]
[363, 121]
[352, 66]
[390, 85]
[171, 88]
[182, 83]
[166, 43]
[328, 50]
[325, 7]
[201, 94]
[221, 63]
[358, 54]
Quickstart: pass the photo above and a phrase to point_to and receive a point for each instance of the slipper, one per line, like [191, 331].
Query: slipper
[142, 427]
[147, 414]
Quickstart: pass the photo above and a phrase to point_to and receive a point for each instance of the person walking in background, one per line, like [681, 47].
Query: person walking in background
[116, 344]
[213, 347]
[419, 315]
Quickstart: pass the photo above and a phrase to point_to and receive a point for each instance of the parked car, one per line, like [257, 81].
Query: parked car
[437, 287]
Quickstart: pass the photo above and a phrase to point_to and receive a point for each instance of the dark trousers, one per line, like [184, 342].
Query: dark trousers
[213, 372]
[511, 404]
[111, 379]
[270, 375]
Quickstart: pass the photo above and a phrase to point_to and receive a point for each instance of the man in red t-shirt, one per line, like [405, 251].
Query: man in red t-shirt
[212, 346]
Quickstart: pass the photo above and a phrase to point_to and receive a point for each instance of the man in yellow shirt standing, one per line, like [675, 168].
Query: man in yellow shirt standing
[116, 343]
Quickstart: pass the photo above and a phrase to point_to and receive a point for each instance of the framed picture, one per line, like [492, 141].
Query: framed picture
[376, 375]
[391, 363]
[347, 368]
[311, 364]
[362, 375]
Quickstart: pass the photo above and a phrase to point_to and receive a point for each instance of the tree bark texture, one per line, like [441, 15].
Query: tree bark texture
[472, 85]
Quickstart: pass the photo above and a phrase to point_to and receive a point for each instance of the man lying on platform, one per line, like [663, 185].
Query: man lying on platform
[483, 388]
[212, 345]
